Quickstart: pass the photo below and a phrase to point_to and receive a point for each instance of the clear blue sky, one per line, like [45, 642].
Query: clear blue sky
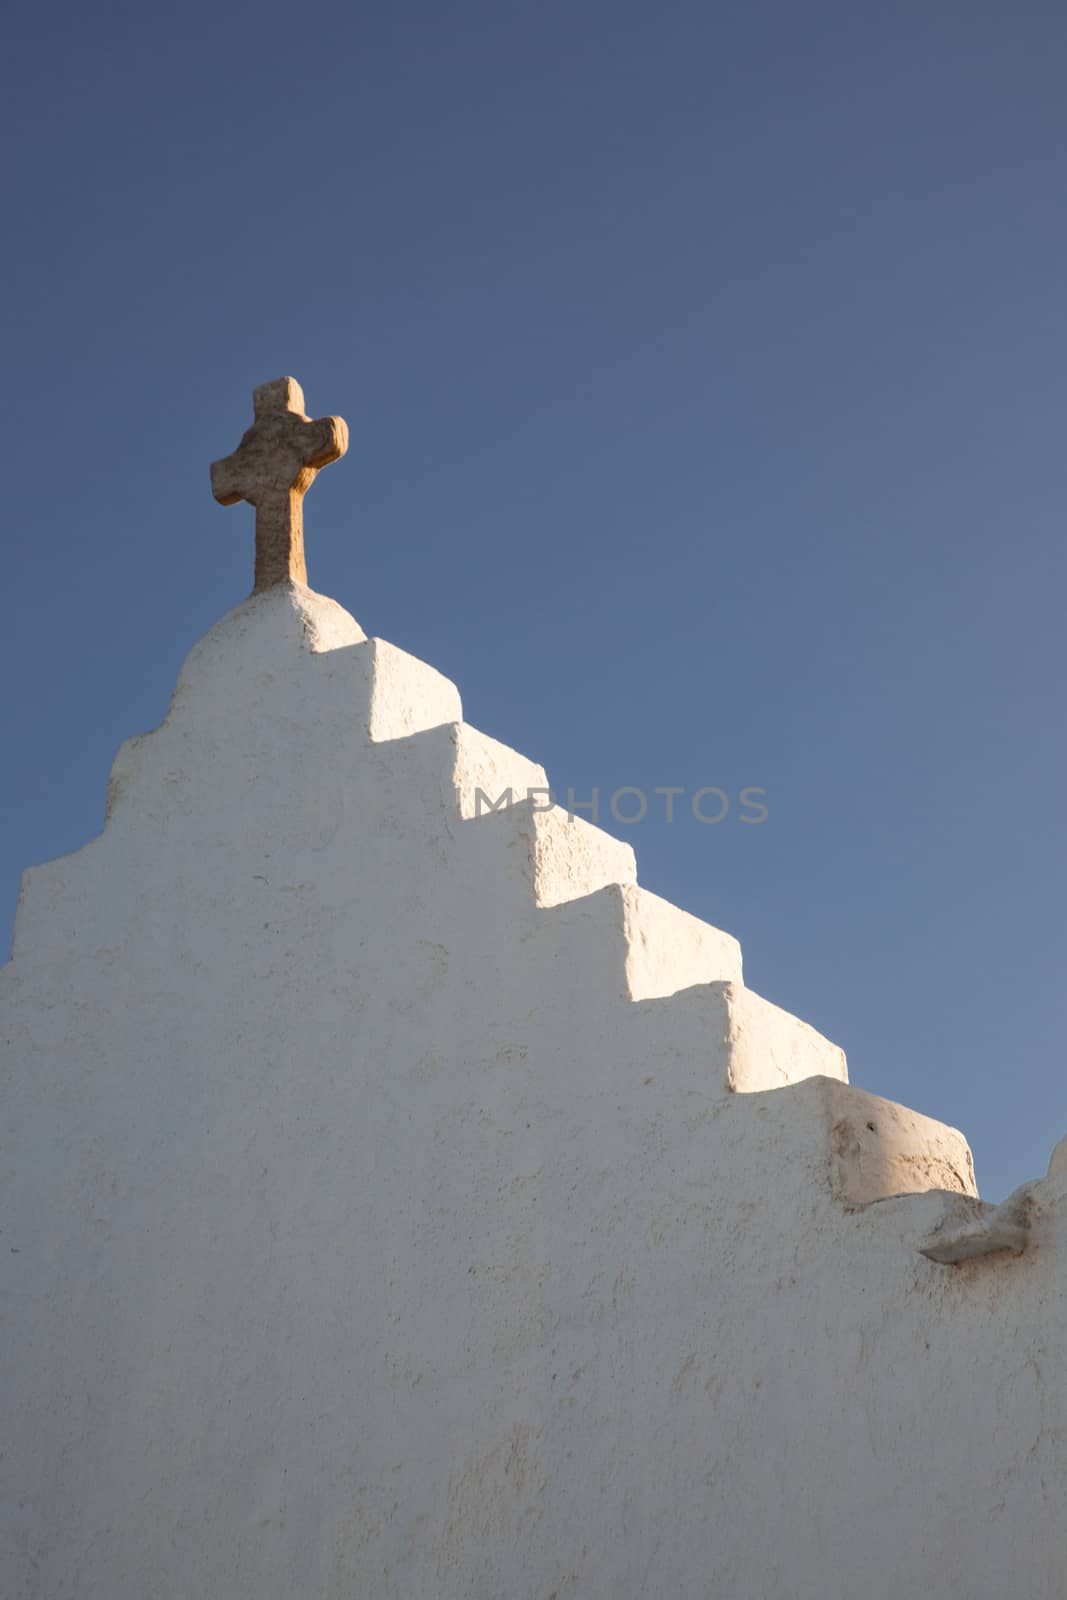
[705, 370]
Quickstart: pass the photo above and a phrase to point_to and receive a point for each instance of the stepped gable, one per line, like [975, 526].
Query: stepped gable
[292, 730]
[402, 1201]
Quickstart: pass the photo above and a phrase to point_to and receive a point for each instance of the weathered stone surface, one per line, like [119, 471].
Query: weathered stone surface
[273, 468]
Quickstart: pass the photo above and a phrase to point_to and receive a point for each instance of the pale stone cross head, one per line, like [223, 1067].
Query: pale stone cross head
[272, 468]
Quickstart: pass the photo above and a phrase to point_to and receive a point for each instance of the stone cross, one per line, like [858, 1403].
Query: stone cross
[272, 468]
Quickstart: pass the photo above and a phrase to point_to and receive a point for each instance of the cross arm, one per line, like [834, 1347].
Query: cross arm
[226, 477]
[324, 441]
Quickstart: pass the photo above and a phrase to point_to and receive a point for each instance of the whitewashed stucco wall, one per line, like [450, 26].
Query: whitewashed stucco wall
[380, 1222]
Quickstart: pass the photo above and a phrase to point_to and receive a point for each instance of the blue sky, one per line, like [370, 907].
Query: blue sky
[705, 371]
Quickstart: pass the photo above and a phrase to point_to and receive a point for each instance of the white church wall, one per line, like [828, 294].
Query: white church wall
[402, 1203]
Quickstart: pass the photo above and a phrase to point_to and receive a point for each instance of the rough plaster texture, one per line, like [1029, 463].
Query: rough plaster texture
[402, 1203]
